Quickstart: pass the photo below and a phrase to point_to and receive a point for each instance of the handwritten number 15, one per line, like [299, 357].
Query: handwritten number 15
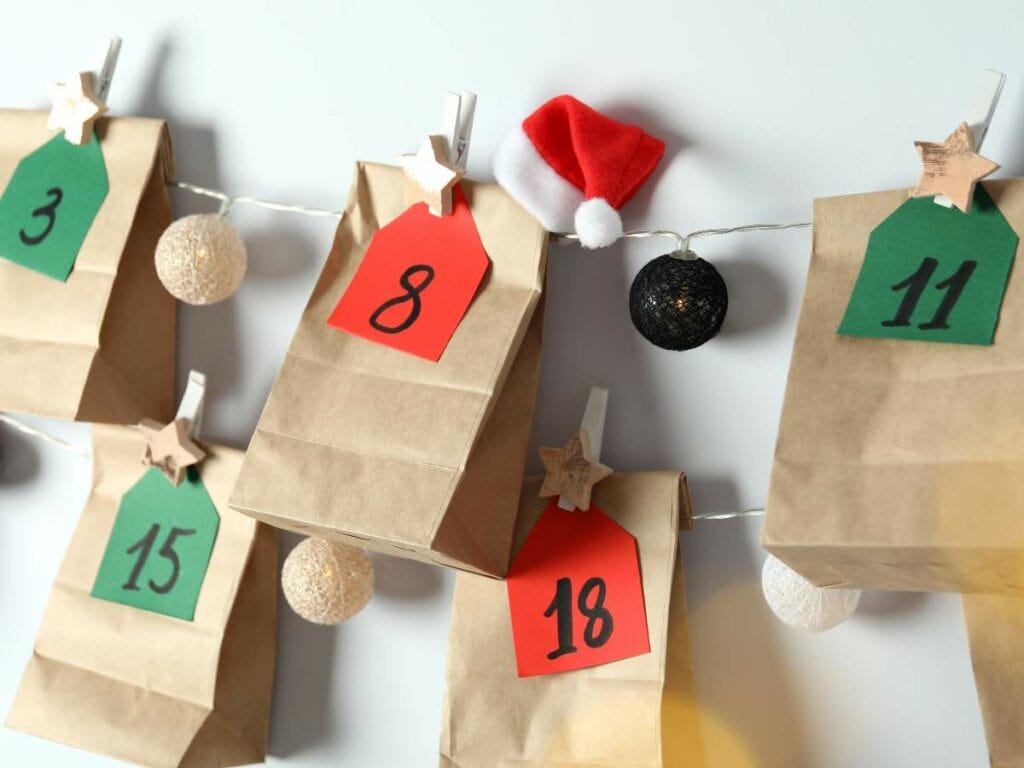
[49, 211]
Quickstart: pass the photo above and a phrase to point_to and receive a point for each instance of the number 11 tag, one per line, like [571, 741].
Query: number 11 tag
[933, 274]
[50, 205]
[575, 594]
[160, 546]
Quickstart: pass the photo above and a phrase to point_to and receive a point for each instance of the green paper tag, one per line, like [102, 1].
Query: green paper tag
[932, 273]
[50, 204]
[160, 546]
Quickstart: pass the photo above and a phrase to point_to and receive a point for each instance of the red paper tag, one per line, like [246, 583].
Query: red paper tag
[575, 595]
[416, 281]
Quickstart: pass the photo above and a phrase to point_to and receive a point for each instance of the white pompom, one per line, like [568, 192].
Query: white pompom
[597, 223]
[800, 604]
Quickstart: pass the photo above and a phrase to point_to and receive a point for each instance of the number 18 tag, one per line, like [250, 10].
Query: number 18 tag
[50, 205]
[933, 274]
[575, 594]
[416, 281]
[160, 546]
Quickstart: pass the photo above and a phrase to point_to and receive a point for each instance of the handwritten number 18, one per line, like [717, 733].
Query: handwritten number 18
[144, 546]
[49, 211]
[914, 286]
[596, 614]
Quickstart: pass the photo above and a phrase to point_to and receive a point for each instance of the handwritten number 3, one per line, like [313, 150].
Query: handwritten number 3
[412, 296]
[50, 212]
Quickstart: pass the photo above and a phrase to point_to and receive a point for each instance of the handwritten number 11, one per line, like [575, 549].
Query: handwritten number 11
[914, 286]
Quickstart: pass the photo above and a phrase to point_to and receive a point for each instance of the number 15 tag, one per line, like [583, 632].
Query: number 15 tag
[50, 205]
[160, 546]
[575, 594]
[416, 281]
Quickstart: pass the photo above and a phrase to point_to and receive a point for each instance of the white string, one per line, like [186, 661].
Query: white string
[56, 441]
[228, 200]
[24, 428]
[727, 515]
[683, 241]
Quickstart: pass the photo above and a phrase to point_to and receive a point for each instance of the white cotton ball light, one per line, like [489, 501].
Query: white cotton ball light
[800, 604]
[201, 259]
[326, 582]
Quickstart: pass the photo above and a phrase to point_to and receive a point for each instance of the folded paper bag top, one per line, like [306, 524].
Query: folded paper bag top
[100, 345]
[366, 444]
[899, 464]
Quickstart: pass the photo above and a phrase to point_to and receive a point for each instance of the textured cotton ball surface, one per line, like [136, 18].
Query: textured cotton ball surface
[597, 224]
[200, 259]
[800, 604]
[326, 582]
[678, 303]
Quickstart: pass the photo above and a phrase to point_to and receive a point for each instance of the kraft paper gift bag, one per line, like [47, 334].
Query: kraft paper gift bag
[139, 684]
[900, 464]
[98, 346]
[640, 712]
[995, 627]
[372, 446]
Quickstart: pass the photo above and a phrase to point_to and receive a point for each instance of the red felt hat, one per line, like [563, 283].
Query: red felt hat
[573, 168]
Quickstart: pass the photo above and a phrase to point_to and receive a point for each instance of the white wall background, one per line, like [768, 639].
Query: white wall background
[764, 106]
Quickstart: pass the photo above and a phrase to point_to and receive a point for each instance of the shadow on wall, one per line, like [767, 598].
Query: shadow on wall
[19, 457]
[303, 715]
[210, 336]
[751, 717]
[589, 339]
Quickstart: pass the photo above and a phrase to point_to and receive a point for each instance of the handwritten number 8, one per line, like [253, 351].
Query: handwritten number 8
[143, 546]
[412, 295]
[596, 614]
[50, 212]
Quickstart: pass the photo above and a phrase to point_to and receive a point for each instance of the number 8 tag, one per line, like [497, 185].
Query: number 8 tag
[50, 205]
[416, 281]
[160, 546]
[575, 593]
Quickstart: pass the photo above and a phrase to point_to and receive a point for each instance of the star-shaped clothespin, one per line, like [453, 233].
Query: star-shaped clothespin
[76, 108]
[952, 168]
[431, 176]
[169, 448]
[571, 471]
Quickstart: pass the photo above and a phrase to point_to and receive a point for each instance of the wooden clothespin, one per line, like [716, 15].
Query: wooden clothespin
[103, 75]
[573, 470]
[953, 167]
[78, 103]
[440, 163]
[171, 447]
[457, 119]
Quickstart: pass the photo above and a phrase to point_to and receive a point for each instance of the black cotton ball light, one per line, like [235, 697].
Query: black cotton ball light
[678, 302]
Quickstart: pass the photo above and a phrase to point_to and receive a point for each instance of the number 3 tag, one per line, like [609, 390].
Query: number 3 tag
[160, 546]
[575, 594]
[416, 281]
[933, 274]
[50, 205]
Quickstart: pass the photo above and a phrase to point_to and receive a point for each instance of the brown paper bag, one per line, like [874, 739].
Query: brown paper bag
[362, 443]
[140, 686]
[995, 627]
[899, 464]
[635, 713]
[99, 347]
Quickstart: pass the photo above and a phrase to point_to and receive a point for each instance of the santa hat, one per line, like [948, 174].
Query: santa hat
[573, 168]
